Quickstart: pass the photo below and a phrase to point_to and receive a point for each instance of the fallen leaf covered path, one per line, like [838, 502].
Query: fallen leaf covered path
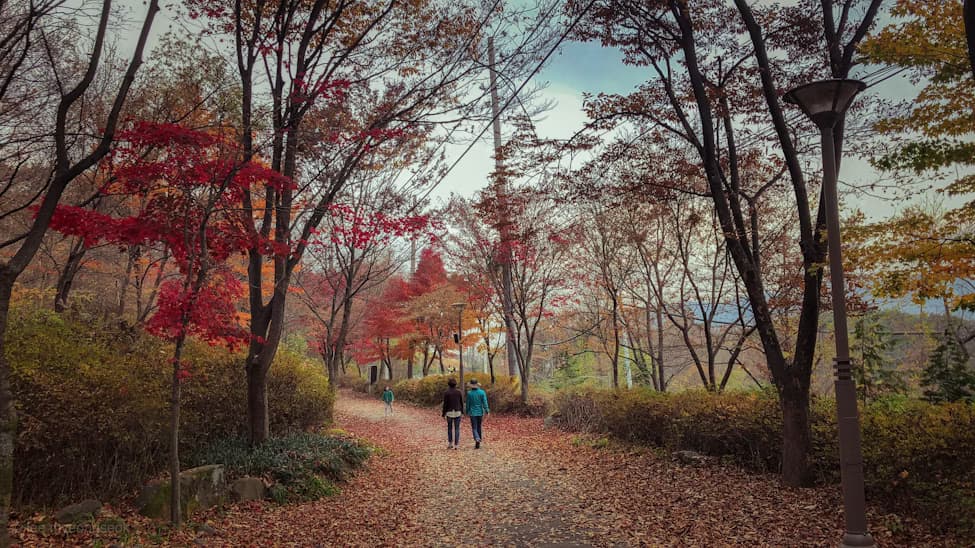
[530, 486]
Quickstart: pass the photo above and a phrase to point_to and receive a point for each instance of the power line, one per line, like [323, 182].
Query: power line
[524, 43]
[508, 102]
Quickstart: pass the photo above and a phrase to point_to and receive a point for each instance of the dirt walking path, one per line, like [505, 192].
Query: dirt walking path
[480, 496]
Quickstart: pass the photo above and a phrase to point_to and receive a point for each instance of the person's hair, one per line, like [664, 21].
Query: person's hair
[451, 383]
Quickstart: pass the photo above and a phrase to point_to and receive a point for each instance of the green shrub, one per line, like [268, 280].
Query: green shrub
[92, 399]
[357, 384]
[743, 426]
[300, 466]
[214, 398]
[919, 458]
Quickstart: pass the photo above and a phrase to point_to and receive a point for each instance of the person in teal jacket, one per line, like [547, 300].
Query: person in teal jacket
[388, 400]
[477, 407]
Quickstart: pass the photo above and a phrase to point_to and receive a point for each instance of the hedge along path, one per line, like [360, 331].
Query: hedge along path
[528, 486]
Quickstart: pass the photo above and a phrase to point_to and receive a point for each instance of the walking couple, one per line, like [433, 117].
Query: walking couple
[453, 410]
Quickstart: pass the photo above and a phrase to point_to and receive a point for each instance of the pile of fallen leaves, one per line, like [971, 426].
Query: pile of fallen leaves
[525, 486]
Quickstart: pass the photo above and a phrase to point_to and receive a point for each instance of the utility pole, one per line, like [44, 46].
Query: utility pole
[413, 245]
[459, 339]
[504, 224]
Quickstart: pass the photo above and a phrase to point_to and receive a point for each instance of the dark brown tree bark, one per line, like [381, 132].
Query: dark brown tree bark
[257, 417]
[175, 512]
[969, 15]
[409, 361]
[796, 435]
[67, 275]
[8, 416]
[123, 286]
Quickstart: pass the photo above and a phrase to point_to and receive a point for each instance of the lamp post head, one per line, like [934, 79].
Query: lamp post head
[458, 306]
[825, 102]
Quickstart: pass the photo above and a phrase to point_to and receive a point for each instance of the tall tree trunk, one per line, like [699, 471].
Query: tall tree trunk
[257, 417]
[524, 390]
[616, 342]
[487, 349]
[145, 303]
[267, 323]
[123, 288]
[796, 436]
[332, 369]
[659, 358]
[335, 345]
[175, 510]
[651, 347]
[969, 16]
[68, 273]
[524, 368]
[791, 379]
[409, 361]
[8, 413]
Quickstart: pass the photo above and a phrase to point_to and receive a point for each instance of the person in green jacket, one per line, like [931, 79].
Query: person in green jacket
[388, 400]
[477, 407]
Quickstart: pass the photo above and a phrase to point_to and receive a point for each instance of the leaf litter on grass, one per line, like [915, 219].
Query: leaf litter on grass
[527, 486]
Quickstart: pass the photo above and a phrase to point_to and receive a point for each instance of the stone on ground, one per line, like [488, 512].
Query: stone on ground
[80, 511]
[246, 489]
[201, 487]
[690, 457]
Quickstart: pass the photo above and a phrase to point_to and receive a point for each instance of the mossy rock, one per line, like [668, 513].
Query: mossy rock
[83, 510]
[201, 487]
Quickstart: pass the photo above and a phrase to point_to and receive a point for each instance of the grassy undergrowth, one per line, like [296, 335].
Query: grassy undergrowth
[298, 467]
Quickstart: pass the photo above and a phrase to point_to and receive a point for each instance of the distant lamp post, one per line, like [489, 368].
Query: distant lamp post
[825, 103]
[459, 339]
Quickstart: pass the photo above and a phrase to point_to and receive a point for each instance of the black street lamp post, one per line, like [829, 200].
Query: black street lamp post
[460, 340]
[825, 103]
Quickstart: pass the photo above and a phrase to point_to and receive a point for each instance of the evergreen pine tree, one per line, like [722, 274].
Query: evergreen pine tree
[874, 372]
[947, 376]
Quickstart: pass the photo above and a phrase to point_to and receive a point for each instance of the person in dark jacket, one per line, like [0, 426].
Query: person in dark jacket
[453, 410]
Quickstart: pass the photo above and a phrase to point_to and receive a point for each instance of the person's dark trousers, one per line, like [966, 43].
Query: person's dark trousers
[453, 434]
[476, 427]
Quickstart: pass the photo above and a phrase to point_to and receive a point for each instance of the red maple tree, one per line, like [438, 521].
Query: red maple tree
[189, 182]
